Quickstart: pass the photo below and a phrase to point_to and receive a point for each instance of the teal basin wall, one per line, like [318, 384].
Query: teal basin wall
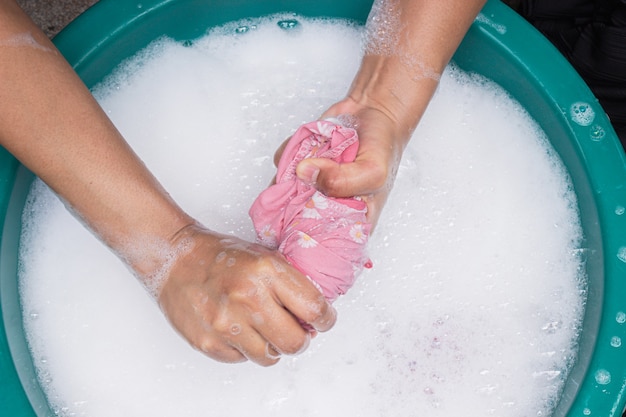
[499, 45]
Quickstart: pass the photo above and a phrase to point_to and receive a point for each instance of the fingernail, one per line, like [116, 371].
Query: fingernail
[308, 173]
[271, 352]
[328, 322]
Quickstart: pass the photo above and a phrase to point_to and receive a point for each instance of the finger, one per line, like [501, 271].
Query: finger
[283, 331]
[222, 352]
[323, 319]
[300, 297]
[255, 347]
[357, 178]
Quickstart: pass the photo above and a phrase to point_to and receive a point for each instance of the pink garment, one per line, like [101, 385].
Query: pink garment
[323, 237]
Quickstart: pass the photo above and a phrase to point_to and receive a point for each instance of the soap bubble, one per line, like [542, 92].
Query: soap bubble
[603, 377]
[582, 113]
[288, 24]
[597, 132]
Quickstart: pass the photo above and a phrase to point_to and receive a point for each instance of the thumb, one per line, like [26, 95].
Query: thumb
[337, 180]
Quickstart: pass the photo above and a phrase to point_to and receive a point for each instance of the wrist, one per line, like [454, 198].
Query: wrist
[385, 84]
[151, 256]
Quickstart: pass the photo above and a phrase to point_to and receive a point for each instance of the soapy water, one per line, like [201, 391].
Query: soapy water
[475, 300]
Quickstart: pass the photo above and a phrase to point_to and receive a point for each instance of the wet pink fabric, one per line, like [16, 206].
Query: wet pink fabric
[323, 237]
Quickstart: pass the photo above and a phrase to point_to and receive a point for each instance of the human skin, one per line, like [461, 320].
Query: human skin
[409, 44]
[231, 299]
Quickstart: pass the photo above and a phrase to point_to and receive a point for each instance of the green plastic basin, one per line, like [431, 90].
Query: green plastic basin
[500, 46]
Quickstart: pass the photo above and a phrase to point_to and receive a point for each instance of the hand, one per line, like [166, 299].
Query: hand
[373, 172]
[235, 300]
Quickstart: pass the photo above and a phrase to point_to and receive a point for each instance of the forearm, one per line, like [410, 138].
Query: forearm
[52, 124]
[408, 45]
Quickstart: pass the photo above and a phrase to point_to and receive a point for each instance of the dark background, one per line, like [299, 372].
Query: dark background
[52, 16]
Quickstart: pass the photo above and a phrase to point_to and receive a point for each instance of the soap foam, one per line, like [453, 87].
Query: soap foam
[475, 299]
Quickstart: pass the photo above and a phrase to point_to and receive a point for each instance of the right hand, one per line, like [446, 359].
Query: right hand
[382, 139]
[234, 300]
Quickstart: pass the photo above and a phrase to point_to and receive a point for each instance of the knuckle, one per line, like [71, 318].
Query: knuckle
[241, 295]
[296, 345]
[221, 324]
[208, 346]
[317, 308]
[218, 350]
[265, 264]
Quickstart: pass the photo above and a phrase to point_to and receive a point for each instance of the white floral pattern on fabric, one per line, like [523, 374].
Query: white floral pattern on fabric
[311, 209]
[325, 129]
[357, 233]
[267, 236]
[306, 241]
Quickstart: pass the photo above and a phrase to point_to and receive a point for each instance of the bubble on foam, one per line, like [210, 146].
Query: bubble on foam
[620, 317]
[220, 257]
[235, 329]
[435, 327]
[597, 133]
[621, 253]
[288, 24]
[418, 68]
[127, 70]
[141, 250]
[616, 341]
[383, 28]
[582, 113]
[603, 377]
[498, 27]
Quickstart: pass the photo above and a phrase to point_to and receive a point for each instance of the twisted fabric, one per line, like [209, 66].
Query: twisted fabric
[323, 237]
